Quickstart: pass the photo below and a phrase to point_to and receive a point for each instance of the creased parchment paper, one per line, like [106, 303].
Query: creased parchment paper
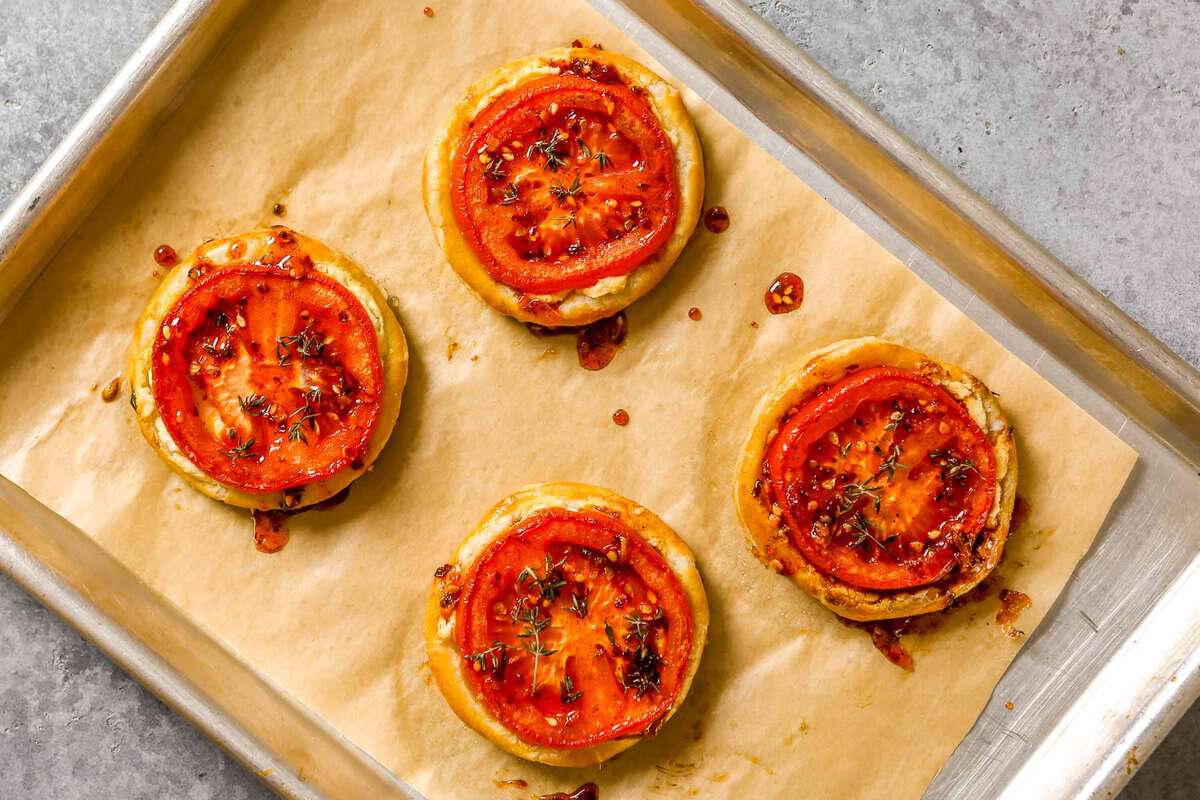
[327, 109]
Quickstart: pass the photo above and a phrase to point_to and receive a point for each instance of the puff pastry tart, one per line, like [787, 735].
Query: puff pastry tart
[880, 479]
[568, 625]
[564, 185]
[267, 370]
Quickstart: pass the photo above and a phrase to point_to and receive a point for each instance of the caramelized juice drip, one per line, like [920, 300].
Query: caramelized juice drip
[270, 527]
[1012, 603]
[716, 219]
[785, 294]
[694, 314]
[621, 417]
[599, 342]
[588, 791]
[165, 256]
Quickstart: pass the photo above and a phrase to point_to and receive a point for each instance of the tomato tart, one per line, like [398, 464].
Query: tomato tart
[568, 625]
[267, 370]
[564, 185]
[880, 479]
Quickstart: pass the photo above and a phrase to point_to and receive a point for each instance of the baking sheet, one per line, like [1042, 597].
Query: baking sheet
[327, 110]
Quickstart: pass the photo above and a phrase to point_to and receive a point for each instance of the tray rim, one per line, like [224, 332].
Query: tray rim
[36, 200]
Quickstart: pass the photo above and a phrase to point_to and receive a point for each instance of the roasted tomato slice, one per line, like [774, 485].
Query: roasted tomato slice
[883, 479]
[574, 629]
[268, 379]
[564, 181]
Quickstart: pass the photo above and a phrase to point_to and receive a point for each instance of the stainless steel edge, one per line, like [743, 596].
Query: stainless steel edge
[1090, 656]
[1140, 661]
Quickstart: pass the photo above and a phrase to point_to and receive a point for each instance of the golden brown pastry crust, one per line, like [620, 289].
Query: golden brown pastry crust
[577, 307]
[446, 662]
[393, 352]
[772, 546]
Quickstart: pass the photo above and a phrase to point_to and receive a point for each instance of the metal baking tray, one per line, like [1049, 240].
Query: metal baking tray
[1106, 675]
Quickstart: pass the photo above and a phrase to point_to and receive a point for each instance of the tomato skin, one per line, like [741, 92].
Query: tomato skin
[613, 587]
[616, 218]
[228, 353]
[862, 522]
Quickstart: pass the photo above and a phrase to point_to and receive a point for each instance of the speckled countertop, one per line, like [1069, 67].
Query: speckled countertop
[1077, 119]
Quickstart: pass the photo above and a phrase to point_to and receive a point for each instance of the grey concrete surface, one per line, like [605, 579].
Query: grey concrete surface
[1078, 119]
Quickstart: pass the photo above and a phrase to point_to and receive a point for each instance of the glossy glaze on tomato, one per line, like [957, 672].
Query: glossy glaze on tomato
[267, 375]
[574, 630]
[565, 180]
[882, 480]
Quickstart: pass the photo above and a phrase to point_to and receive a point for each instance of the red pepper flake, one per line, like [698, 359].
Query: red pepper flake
[621, 417]
[694, 314]
[427, 11]
[716, 219]
[165, 256]
[785, 294]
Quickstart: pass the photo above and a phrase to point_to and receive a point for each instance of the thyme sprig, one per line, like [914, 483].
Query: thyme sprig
[511, 195]
[954, 467]
[254, 404]
[551, 149]
[603, 160]
[241, 449]
[863, 533]
[642, 673]
[549, 583]
[495, 170]
[891, 463]
[566, 691]
[308, 343]
[852, 492]
[579, 604]
[561, 192]
[534, 625]
[494, 659]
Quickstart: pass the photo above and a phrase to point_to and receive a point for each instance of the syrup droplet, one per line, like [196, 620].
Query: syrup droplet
[599, 342]
[111, 390]
[164, 255]
[694, 314]
[589, 791]
[621, 417]
[270, 531]
[427, 11]
[716, 219]
[279, 209]
[785, 294]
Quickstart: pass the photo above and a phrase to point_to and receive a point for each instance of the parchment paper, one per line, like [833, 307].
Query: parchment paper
[327, 108]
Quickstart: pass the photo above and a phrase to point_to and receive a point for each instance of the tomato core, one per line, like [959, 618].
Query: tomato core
[574, 630]
[563, 181]
[267, 376]
[883, 480]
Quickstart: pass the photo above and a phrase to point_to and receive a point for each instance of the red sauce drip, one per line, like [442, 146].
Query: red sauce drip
[621, 417]
[694, 314]
[427, 11]
[589, 791]
[279, 209]
[596, 344]
[1012, 603]
[785, 294]
[599, 342]
[716, 219]
[270, 527]
[165, 256]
